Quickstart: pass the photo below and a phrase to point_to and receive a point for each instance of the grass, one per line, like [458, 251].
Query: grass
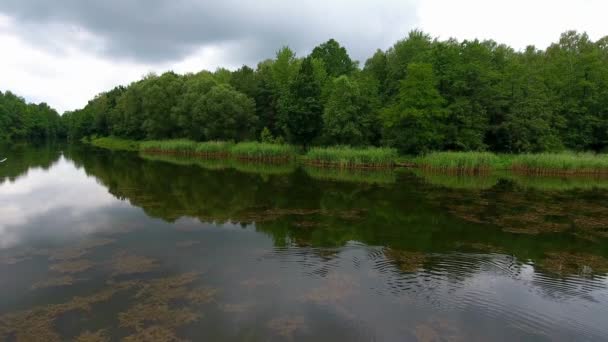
[182, 146]
[263, 151]
[350, 157]
[461, 162]
[564, 163]
[113, 143]
[561, 163]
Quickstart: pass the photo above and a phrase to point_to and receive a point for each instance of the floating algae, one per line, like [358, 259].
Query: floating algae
[406, 261]
[54, 282]
[124, 263]
[153, 318]
[72, 267]
[75, 252]
[287, 326]
[153, 333]
[574, 263]
[336, 288]
[37, 324]
[98, 336]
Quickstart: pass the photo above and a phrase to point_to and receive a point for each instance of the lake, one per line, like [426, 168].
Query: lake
[101, 246]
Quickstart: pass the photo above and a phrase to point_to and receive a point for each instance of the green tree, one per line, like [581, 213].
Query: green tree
[301, 115]
[414, 123]
[225, 114]
[335, 58]
[348, 118]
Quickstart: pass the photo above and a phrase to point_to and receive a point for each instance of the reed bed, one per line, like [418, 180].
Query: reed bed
[257, 151]
[460, 162]
[350, 157]
[564, 163]
[181, 146]
[169, 146]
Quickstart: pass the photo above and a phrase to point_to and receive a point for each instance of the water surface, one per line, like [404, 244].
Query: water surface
[102, 246]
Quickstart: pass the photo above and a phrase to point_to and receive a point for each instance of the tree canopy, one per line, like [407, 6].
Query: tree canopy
[421, 94]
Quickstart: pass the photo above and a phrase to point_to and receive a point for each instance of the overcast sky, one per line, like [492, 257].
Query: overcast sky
[64, 52]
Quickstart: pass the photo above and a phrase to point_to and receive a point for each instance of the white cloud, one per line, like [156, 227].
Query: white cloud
[64, 65]
[517, 23]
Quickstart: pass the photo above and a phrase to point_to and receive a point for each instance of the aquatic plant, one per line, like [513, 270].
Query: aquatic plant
[460, 162]
[407, 261]
[565, 263]
[173, 146]
[351, 157]
[38, 324]
[263, 151]
[125, 263]
[54, 282]
[561, 163]
[76, 266]
[97, 336]
[286, 327]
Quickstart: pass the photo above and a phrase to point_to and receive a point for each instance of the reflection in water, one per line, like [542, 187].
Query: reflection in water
[103, 246]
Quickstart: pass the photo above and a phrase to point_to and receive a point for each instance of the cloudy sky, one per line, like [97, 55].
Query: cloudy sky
[63, 52]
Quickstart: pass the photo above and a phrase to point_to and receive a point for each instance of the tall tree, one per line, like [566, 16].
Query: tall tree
[335, 58]
[414, 123]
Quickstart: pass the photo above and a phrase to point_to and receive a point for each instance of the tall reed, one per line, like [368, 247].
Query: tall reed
[350, 157]
[460, 162]
[561, 163]
[263, 151]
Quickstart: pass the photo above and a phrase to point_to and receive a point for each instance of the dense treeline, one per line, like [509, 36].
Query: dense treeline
[22, 121]
[419, 95]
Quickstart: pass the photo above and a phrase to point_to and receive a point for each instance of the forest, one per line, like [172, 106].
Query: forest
[21, 121]
[420, 95]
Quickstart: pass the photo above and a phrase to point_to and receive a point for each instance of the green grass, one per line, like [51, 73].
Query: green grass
[461, 162]
[182, 146]
[350, 157]
[113, 143]
[263, 151]
[561, 163]
[173, 146]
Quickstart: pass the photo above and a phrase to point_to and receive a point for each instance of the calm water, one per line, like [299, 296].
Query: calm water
[98, 245]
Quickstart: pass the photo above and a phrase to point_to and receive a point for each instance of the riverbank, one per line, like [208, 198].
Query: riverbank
[561, 163]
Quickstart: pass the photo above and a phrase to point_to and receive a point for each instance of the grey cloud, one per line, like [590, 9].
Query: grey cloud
[155, 31]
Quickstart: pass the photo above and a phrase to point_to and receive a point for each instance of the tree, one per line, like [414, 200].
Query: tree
[348, 118]
[301, 115]
[225, 114]
[335, 58]
[414, 123]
